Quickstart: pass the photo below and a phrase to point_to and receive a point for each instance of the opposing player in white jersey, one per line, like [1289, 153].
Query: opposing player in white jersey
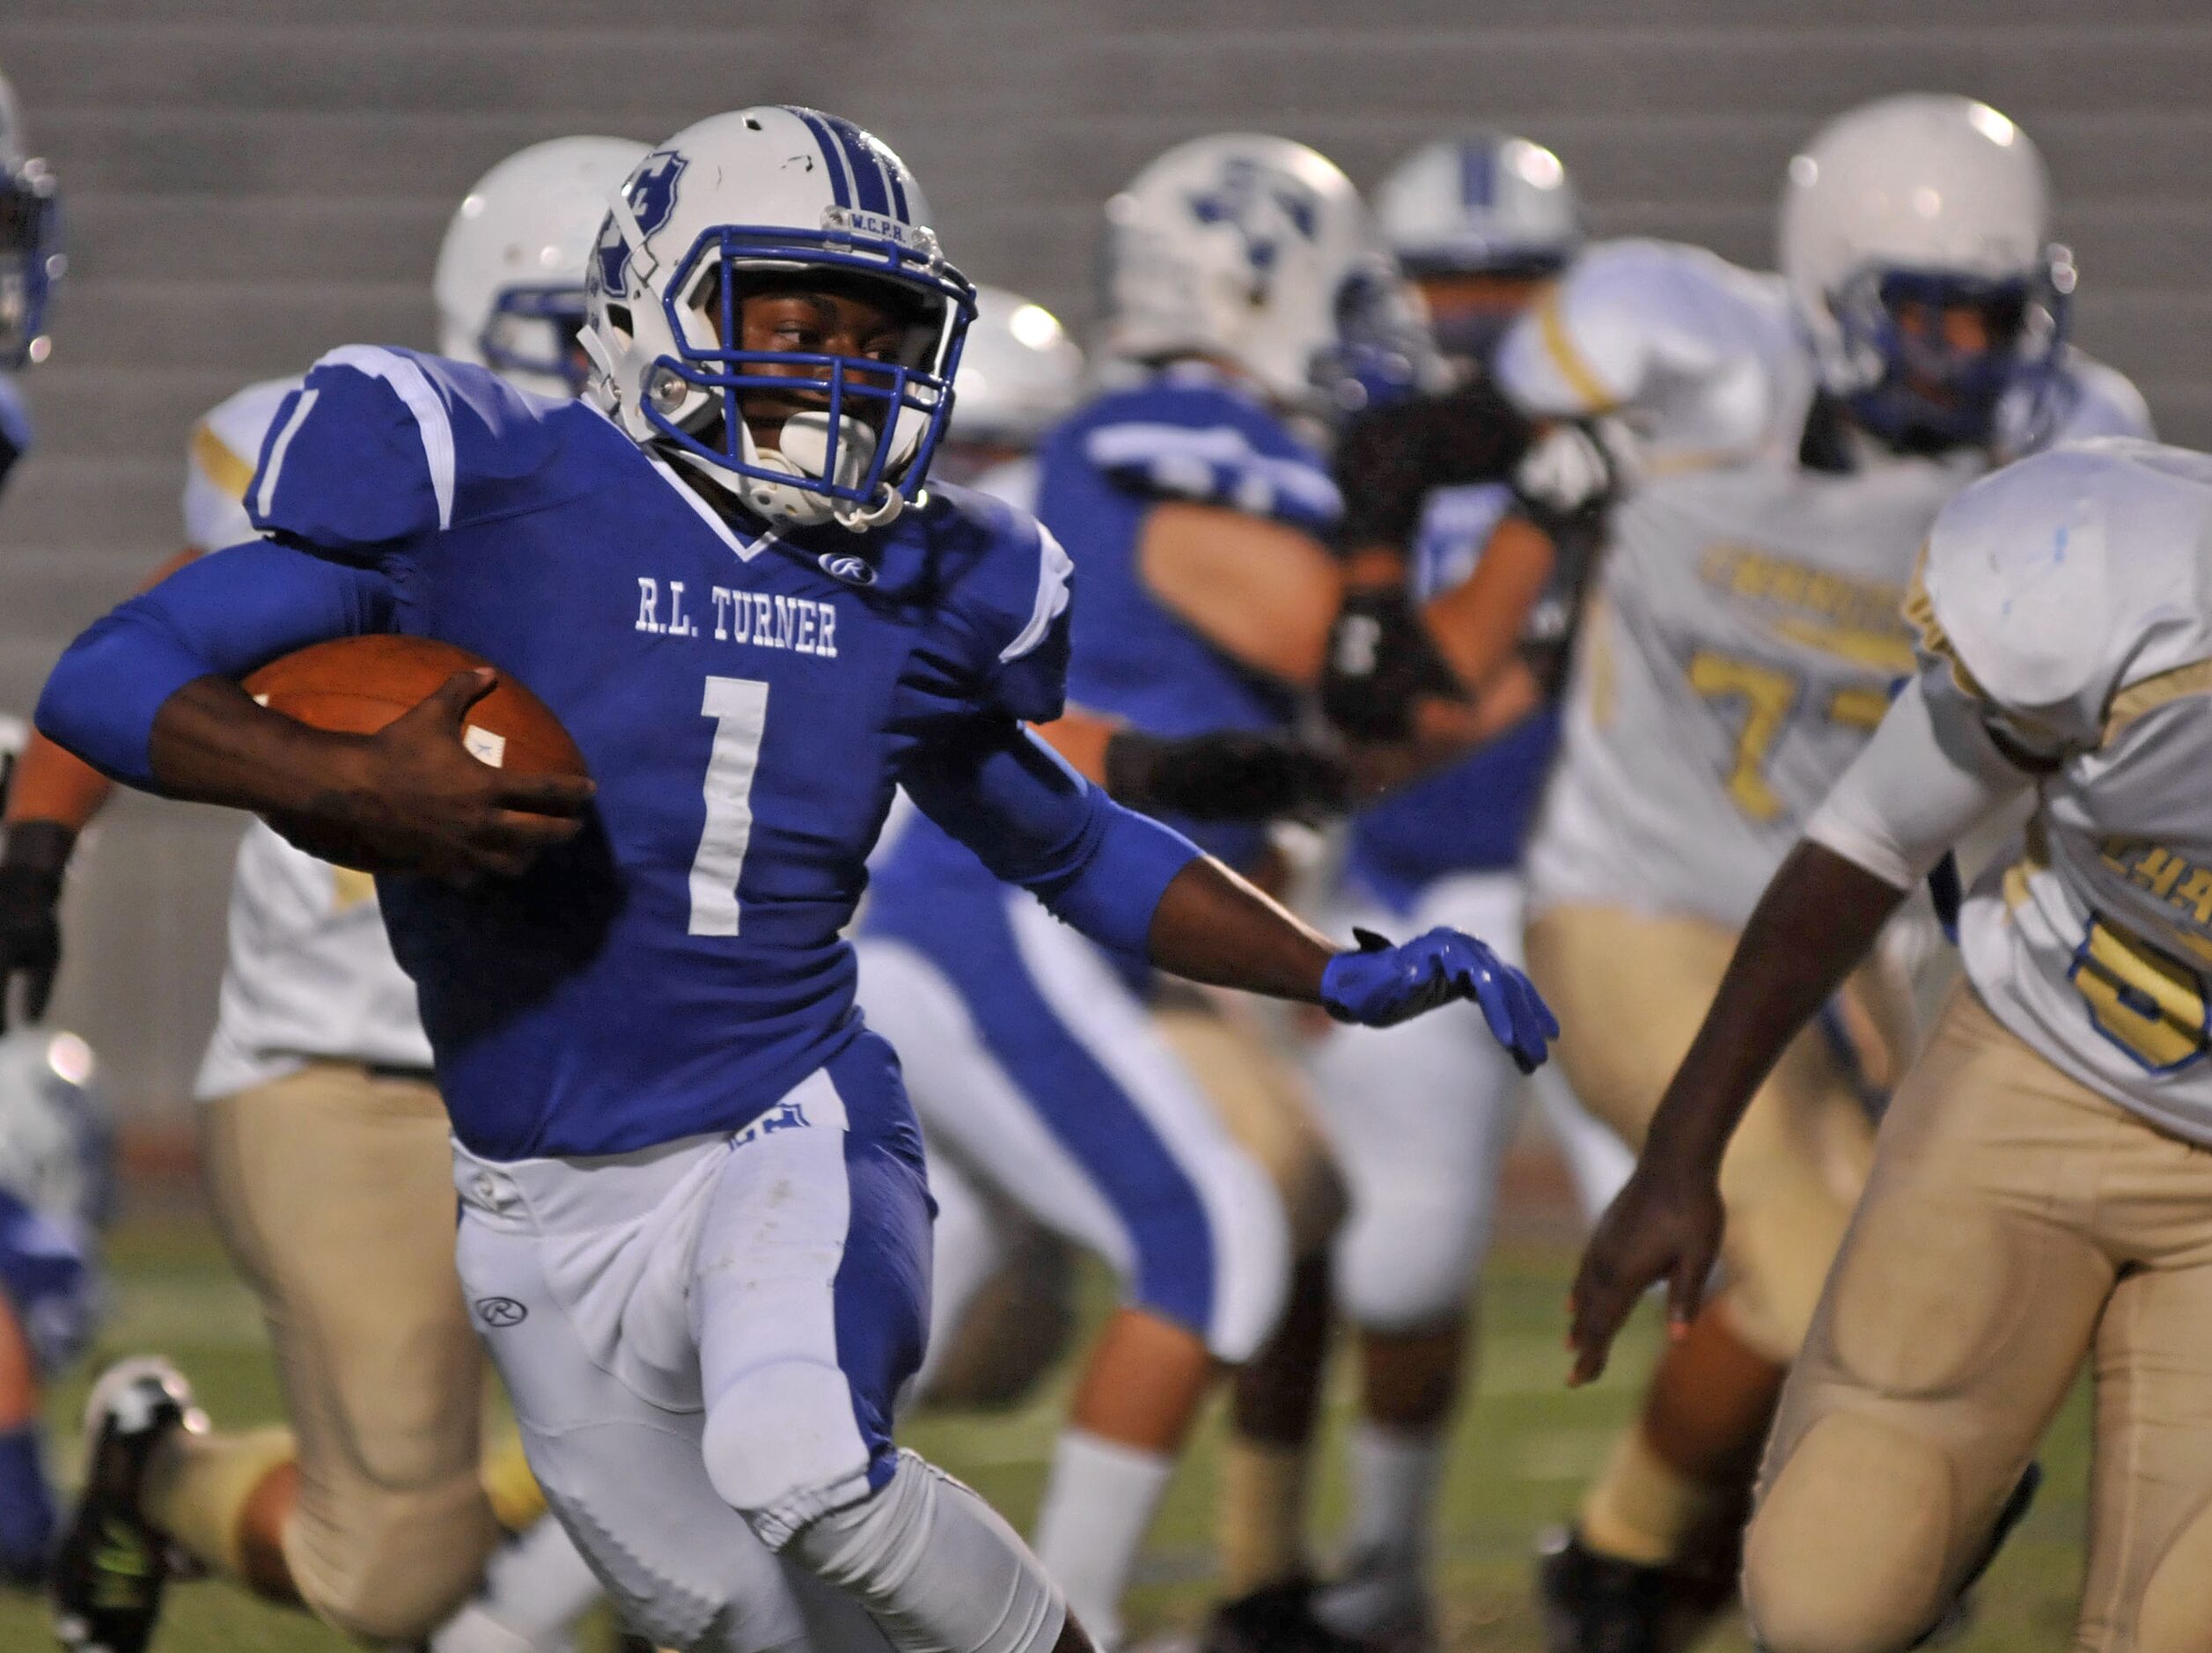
[1421, 1116]
[1798, 433]
[2041, 1189]
[323, 1137]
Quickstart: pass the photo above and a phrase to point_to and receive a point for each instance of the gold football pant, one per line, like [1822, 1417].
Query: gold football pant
[2015, 1221]
[333, 1189]
[1630, 989]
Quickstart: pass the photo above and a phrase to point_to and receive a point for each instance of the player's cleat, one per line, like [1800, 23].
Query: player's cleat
[1960, 1614]
[1600, 1604]
[1280, 1619]
[110, 1570]
[1382, 1608]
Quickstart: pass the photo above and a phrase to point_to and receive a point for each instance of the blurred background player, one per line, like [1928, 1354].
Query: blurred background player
[1001, 1289]
[55, 1177]
[1421, 1116]
[31, 262]
[2042, 1186]
[1796, 435]
[322, 1136]
[1156, 1138]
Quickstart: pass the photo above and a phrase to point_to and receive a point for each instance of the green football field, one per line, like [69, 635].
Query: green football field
[1524, 1447]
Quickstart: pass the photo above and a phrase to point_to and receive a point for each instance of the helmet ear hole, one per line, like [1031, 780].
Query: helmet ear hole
[618, 316]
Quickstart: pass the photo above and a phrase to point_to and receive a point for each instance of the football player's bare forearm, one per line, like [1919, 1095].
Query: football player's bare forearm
[1213, 926]
[1478, 625]
[1814, 925]
[53, 786]
[212, 743]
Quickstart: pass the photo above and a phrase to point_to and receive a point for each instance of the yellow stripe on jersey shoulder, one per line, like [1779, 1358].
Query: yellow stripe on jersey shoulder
[349, 887]
[1919, 613]
[1567, 356]
[218, 462]
[2138, 700]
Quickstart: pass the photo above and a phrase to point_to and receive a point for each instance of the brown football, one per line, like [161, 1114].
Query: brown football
[355, 685]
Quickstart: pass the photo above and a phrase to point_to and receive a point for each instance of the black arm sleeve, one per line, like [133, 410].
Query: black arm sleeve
[1390, 457]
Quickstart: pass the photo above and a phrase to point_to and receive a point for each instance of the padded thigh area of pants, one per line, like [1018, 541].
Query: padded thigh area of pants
[1847, 1552]
[1898, 1340]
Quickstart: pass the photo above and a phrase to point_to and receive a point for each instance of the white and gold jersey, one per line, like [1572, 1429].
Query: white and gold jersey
[2071, 598]
[310, 972]
[1745, 627]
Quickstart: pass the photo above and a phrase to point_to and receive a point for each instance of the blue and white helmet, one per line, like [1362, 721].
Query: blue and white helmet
[510, 281]
[1487, 203]
[30, 257]
[1258, 251]
[761, 191]
[56, 1133]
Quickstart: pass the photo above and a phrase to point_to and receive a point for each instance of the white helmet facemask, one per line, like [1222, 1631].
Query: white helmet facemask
[781, 199]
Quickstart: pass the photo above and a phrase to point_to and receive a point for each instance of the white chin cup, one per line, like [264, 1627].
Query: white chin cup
[803, 449]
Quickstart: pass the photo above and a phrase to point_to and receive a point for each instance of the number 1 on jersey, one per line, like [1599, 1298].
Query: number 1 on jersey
[740, 707]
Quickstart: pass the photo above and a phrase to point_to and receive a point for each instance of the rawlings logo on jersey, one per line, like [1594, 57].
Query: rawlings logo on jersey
[1262, 206]
[652, 194]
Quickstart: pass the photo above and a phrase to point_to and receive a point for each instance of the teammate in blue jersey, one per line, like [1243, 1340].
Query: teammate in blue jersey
[1481, 222]
[695, 1223]
[1048, 1063]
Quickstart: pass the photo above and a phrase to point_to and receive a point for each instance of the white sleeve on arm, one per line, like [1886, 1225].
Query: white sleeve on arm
[1928, 777]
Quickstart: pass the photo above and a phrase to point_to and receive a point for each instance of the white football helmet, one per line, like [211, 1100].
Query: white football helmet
[761, 192]
[510, 281]
[1931, 201]
[1258, 250]
[57, 1134]
[1484, 204]
[31, 256]
[1020, 372]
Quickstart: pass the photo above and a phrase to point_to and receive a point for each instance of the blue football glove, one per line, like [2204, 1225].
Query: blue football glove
[1381, 984]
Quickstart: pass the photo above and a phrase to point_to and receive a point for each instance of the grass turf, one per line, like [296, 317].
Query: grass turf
[1524, 1448]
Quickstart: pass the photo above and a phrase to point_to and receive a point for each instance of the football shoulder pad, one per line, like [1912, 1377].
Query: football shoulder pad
[379, 445]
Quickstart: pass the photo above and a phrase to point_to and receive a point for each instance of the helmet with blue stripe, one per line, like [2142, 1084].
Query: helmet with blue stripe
[1257, 252]
[770, 196]
[1486, 203]
[510, 281]
[30, 257]
[1914, 236]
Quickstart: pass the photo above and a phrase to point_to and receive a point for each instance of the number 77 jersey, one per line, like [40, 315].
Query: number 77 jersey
[743, 700]
[1746, 633]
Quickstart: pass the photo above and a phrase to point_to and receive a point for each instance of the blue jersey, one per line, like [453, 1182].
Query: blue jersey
[15, 425]
[48, 1277]
[1186, 434]
[1473, 815]
[745, 704]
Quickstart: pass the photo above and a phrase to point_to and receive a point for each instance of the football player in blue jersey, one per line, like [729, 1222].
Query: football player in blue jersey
[695, 1221]
[1480, 222]
[375, 1505]
[55, 1175]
